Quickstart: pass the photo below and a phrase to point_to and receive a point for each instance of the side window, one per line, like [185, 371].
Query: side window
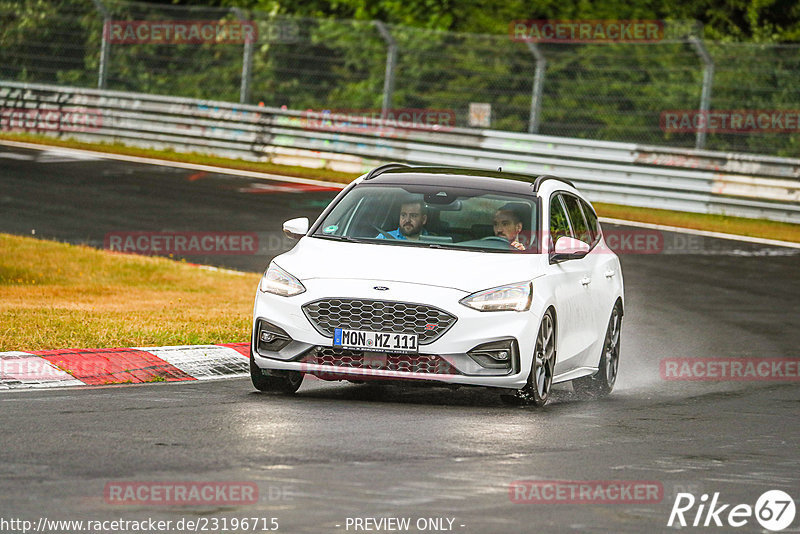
[591, 220]
[579, 226]
[559, 226]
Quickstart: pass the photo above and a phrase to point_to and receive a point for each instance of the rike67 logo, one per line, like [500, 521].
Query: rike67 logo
[774, 510]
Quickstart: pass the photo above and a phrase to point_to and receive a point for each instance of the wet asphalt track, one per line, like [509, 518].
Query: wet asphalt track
[340, 450]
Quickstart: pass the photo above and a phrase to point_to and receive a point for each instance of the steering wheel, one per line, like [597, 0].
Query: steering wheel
[387, 235]
[495, 238]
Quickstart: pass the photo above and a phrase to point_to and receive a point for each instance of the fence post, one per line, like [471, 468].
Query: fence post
[247, 62]
[708, 80]
[538, 84]
[102, 74]
[391, 60]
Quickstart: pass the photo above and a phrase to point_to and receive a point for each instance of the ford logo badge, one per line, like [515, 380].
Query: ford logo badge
[381, 288]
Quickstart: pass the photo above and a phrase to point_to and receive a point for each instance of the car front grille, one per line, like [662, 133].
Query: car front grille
[354, 359]
[427, 322]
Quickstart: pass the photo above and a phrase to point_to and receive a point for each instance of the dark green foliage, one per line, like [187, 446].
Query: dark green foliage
[450, 54]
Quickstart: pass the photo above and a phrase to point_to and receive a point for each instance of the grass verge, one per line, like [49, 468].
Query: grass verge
[713, 223]
[54, 295]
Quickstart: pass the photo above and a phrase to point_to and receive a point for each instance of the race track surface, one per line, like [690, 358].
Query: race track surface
[338, 450]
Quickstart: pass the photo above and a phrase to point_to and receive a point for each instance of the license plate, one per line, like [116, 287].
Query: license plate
[374, 341]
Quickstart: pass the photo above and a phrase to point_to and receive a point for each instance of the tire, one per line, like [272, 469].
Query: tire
[288, 383]
[540, 379]
[602, 382]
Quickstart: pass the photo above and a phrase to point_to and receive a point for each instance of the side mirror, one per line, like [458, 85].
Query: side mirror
[296, 228]
[569, 248]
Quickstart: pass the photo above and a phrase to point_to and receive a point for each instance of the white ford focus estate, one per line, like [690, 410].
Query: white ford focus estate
[444, 275]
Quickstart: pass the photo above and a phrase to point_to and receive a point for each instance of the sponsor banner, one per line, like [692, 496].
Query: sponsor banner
[587, 31]
[586, 491]
[730, 369]
[180, 493]
[66, 119]
[731, 121]
[361, 120]
[179, 32]
[480, 115]
[183, 243]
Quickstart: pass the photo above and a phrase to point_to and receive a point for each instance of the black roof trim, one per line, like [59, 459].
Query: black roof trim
[401, 168]
[383, 168]
[541, 179]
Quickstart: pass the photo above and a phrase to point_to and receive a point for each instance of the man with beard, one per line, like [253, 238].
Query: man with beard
[413, 217]
[508, 224]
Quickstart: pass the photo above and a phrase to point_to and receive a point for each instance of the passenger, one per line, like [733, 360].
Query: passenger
[413, 217]
[508, 224]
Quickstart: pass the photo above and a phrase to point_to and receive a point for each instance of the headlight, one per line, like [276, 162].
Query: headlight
[511, 297]
[279, 282]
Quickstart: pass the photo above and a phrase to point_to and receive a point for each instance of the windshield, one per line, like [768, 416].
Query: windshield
[433, 216]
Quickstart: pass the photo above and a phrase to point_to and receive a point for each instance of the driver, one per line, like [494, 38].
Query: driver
[508, 225]
[413, 217]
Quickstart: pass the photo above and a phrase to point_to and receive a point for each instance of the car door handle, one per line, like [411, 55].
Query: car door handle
[586, 280]
[611, 272]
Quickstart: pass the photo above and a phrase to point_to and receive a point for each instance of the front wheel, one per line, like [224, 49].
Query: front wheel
[540, 379]
[288, 383]
[602, 382]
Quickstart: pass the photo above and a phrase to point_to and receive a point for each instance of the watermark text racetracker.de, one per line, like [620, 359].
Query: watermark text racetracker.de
[214, 524]
[192, 493]
[181, 493]
[731, 121]
[586, 491]
[179, 32]
[183, 243]
[723, 369]
[169, 493]
[586, 31]
[361, 120]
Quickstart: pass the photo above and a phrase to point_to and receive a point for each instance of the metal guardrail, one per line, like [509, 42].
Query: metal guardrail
[622, 173]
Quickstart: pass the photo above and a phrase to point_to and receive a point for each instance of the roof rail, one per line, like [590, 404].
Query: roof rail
[541, 179]
[382, 168]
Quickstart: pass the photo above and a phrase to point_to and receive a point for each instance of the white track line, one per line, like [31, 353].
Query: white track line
[176, 164]
[706, 233]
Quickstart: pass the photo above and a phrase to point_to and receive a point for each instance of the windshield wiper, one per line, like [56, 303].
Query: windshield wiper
[334, 237]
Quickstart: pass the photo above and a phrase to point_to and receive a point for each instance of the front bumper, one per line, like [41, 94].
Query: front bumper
[447, 359]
